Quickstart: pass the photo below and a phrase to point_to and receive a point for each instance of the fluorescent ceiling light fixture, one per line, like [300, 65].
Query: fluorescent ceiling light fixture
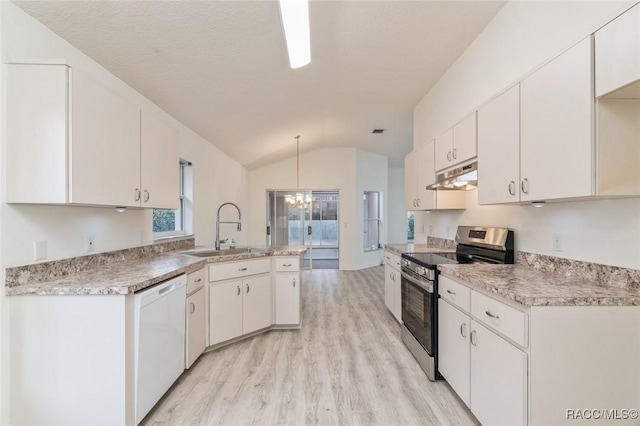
[295, 21]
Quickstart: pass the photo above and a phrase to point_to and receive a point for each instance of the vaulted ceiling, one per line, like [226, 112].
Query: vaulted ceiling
[221, 67]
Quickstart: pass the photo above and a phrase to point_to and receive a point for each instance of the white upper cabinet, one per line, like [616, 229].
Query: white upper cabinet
[457, 144]
[499, 149]
[557, 139]
[104, 145]
[618, 55]
[72, 140]
[159, 170]
[419, 172]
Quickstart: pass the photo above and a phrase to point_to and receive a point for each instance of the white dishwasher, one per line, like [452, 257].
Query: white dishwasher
[159, 341]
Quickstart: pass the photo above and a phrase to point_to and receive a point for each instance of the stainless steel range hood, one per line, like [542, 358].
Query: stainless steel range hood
[463, 178]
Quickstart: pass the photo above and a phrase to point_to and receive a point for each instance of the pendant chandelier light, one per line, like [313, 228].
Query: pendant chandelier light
[300, 200]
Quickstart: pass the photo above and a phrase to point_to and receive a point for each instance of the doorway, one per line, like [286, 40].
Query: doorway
[314, 226]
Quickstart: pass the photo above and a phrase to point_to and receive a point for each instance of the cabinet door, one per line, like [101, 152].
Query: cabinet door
[499, 149]
[410, 180]
[618, 53]
[388, 288]
[464, 140]
[256, 305]
[444, 148]
[426, 175]
[195, 327]
[498, 379]
[225, 311]
[159, 172]
[396, 289]
[556, 127]
[453, 348]
[287, 299]
[104, 145]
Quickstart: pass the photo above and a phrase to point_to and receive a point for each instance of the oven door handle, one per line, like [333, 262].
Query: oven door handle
[425, 285]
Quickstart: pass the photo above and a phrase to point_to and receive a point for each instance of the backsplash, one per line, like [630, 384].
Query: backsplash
[441, 243]
[607, 276]
[59, 268]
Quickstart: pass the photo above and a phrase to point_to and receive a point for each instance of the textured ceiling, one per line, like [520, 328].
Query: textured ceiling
[221, 67]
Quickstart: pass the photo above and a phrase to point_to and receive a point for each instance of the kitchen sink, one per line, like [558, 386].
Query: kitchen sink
[224, 252]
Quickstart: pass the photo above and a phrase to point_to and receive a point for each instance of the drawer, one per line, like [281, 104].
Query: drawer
[287, 264]
[195, 280]
[227, 270]
[504, 319]
[454, 292]
[392, 259]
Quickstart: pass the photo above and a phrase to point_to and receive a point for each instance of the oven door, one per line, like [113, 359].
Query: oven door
[418, 309]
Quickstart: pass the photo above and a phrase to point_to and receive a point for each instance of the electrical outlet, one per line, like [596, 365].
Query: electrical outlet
[430, 229]
[39, 250]
[91, 243]
[556, 239]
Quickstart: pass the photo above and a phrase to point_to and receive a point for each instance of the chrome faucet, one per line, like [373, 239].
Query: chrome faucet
[238, 223]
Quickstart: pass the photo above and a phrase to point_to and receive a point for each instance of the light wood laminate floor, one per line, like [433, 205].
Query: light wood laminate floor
[346, 366]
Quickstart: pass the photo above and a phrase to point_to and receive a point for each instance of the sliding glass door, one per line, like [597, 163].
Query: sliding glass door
[314, 226]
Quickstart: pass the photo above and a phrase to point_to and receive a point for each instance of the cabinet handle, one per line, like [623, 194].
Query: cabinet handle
[242, 269]
[388, 258]
[137, 195]
[512, 188]
[146, 196]
[414, 202]
[449, 156]
[489, 314]
[294, 282]
[453, 293]
[463, 329]
[248, 288]
[192, 308]
[525, 182]
[198, 280]
[286, 265]
[455, 153]
[238, 290]
[418, 202]
[472, 338]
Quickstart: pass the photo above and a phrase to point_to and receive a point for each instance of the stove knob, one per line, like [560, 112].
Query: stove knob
[405, 262]
[420, 270]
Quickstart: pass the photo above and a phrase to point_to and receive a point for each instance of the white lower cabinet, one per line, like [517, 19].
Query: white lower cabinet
[196, 326]
[287, 301]
[392, 286]
[453, 349]
[238, 307]
[498, 379]
[487, 372]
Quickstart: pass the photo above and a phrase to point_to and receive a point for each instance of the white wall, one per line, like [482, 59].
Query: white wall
[217, 178]
[4, 312]
[371, 175]
[397, 215]
[521, 37]
[348, 170]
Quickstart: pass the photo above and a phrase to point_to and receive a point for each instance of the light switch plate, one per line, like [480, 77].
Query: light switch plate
[39, 250]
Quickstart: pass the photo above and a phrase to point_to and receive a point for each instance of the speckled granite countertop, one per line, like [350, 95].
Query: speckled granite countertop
[531, 287]
[415, 248]
[131, 276]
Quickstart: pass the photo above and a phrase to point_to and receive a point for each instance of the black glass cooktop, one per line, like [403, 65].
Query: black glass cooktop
[426, 259]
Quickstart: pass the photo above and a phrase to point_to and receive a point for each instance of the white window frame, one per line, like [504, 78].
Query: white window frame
[180, 211]
[366, 220]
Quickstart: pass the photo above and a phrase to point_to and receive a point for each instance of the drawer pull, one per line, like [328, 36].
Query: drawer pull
[192, 308]
[463, 329]
[198, 280]
[472, 338]
[294, 282]
[451, 292]
[489, 314]
[238, 290]
[247, 288]
[242, 269]
[286, 265]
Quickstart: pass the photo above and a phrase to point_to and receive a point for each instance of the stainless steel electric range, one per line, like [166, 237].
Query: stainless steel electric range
[420, 286]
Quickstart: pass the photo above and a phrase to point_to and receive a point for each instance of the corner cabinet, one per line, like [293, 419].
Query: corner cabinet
[288, 294]
[71, 140]
[419, 172]
[239, 296]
